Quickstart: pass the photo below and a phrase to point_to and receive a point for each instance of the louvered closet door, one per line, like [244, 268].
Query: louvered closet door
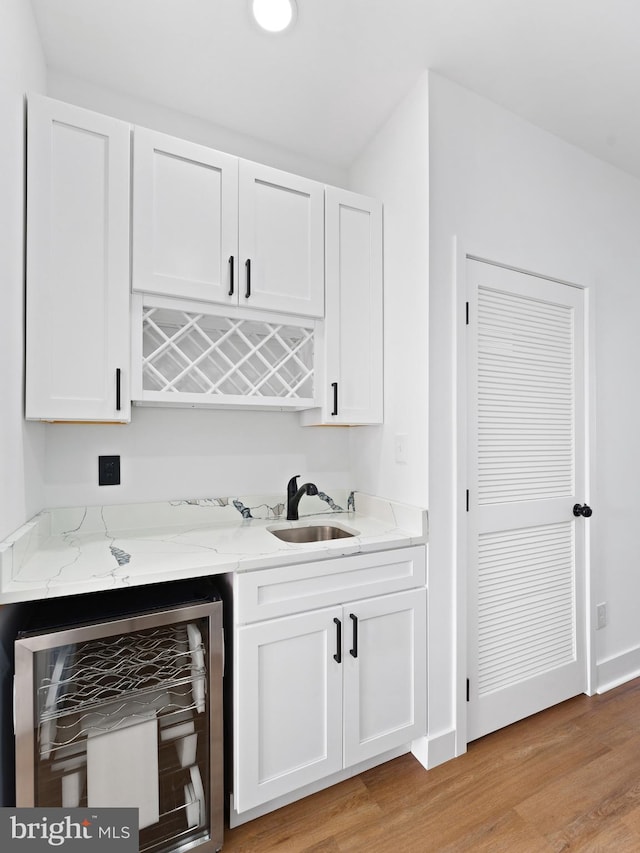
[526, 461]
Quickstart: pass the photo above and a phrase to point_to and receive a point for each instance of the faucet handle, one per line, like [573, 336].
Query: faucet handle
[292, 485]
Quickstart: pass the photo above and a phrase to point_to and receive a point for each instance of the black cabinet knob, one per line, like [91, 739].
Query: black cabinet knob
[582, 510]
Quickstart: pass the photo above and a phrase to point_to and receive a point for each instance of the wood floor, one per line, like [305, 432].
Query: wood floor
[566, 779]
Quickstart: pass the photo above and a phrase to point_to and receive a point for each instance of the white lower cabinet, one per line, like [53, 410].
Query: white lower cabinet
[289, 705]
[384, 677]
[320, 691]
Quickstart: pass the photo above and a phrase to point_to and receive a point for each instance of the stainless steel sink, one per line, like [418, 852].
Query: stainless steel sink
[311, 533]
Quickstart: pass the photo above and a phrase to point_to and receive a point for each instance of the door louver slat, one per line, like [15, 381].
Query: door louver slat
[526, 619]
[525, 398]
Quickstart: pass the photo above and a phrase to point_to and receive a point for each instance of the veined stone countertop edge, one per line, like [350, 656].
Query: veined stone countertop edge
[71, 551]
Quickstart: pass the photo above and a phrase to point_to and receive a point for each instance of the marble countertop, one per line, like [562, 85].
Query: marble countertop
[87, 549]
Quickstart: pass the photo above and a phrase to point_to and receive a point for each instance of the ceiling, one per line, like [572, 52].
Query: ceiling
[323, 89]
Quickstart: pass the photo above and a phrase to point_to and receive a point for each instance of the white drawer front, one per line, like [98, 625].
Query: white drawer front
[269, 593]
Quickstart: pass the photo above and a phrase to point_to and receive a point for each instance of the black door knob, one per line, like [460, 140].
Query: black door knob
[582, 510]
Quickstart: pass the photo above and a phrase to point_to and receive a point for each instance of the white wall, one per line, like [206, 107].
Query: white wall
[85, 94]
[21, 445]
[189, 453]
[516, 194]
[395, 168]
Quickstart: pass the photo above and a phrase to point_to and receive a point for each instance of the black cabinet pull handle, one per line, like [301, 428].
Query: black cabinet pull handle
[118, 401]
[248, 266]
[338, 655]
[353, 651]
[334, 385]
[231, 275]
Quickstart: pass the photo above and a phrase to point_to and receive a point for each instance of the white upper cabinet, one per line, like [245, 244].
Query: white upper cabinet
[210, 227]
[275, 280]
[185, 212]
[350, 353]
[281, 234]
[77, 303]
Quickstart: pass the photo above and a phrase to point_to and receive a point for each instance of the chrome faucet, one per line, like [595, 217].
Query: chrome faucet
[294, 494]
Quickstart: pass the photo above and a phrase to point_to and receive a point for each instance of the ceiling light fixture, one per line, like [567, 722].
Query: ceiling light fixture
[274, 16]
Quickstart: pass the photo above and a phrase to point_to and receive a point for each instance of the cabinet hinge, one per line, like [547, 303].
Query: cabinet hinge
[467, 500]
[468, 688]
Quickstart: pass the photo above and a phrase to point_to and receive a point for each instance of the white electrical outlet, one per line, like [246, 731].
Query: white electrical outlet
[400, 441]
[601, 616]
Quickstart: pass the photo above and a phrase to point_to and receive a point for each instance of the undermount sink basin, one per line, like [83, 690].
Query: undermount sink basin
[311, 533]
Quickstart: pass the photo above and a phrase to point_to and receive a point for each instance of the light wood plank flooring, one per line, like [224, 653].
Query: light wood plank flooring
[565, 779]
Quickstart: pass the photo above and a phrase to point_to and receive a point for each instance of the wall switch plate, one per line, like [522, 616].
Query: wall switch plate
[601, 616]
[108, 470]
[400, 443]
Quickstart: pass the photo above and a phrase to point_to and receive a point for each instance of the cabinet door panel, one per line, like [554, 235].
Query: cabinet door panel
[354, 352]
[184, 218]
[77, 264]
[282, 235]
[351, 354]
[289, 706]
[385, 683]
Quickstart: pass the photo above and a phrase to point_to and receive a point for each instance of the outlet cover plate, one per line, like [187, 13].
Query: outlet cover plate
[108, 470]
[400, 444]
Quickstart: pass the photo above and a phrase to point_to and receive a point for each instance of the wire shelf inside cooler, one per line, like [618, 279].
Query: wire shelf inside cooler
[157, 670]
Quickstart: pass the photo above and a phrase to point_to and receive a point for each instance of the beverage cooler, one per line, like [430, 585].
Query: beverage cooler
[127, 712]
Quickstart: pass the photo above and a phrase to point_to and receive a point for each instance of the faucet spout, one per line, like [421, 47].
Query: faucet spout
[294, 494]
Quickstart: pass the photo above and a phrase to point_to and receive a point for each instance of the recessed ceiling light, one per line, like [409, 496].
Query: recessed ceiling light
[274, 16]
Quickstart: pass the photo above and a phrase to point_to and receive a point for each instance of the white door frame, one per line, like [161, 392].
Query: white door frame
[463, 253]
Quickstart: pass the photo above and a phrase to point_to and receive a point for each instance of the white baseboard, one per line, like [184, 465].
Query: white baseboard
[435, 749]
[617, 670]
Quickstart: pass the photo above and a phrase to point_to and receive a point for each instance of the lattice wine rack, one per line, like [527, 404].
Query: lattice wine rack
[191, 357]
